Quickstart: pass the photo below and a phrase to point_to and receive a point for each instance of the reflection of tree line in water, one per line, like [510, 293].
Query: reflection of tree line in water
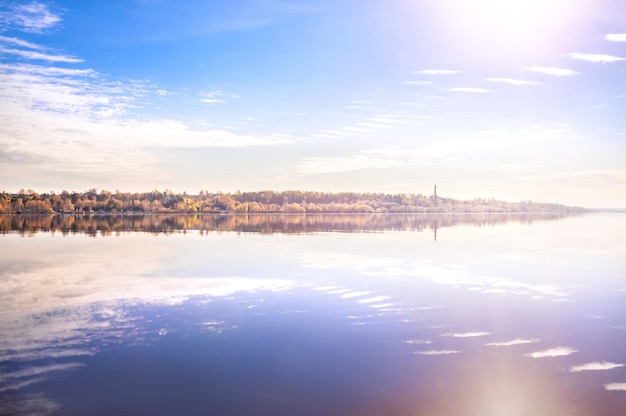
[258, 223]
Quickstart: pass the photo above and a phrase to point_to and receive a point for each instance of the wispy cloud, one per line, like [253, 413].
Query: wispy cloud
[355, 295]
[615, 386]
[34, 55]
[465, 89]
[35, 371]
[549, 70]
[417, 341]
[516, 341]
[374, 299]
[418, 82]
[616, 37]
[19, 42]
[595, 58]
[466, 334]
[213, 97]
[320, 165]
[356, 129]
[33, 17]
[589, 177]
[436, 72]
[45, 70]
[437, 352]
[552, 352]
[516, 82]
[595, 366]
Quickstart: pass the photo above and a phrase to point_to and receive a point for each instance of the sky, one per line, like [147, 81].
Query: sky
[507, 99]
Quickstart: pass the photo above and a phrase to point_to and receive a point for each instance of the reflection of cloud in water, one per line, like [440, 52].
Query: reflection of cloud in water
[426, 308]
[615, 386]
[355, 295]
[21, 378]
[385, 306]
[465, 334]
[552, 352]
[437, 352]
[449, 275]
[417, 342]
[374, 299]
[516, 341]
[595, 366]
[32, 405]
[69, 332]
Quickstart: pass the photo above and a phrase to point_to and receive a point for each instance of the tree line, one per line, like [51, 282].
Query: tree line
[161, 202]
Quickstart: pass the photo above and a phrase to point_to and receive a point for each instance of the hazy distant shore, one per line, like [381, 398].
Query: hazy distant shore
[167, 202]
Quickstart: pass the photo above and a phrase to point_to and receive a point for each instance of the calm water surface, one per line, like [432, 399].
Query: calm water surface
[318, 315]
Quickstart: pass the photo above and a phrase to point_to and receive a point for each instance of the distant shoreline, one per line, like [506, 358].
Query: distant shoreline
[264, 202]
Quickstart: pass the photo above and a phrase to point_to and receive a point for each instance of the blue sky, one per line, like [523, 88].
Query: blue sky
[509, 99]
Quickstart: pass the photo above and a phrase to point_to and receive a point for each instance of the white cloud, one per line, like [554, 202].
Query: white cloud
[374, 125]
[559, 72]
[465, 89]
[383, 119]
[437, 352]
[34, 17]
[418, 82]
[615, 386]
[356, 129]
[44, 70]
[354, 295]
[516, 341]
[605, 177]
[35, 371]
[318, 165]
[41, 56]
[616, 37]
[417, 342]
[19, 42]
[466, 334]
[552, 352]
[338, 132]
[213, 97]
[436, 72]
[212, 101]
[595, 366]
[596, 58]
[516, 82]
[374, 299]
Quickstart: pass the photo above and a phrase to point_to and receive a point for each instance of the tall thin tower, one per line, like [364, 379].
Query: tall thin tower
[435, 196]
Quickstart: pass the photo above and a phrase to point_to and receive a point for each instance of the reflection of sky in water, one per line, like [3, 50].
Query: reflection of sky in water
[511, 319]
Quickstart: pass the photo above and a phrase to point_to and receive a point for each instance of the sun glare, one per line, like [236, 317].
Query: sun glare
[520, 23]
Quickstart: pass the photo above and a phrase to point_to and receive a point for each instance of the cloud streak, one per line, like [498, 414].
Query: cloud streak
[616, 37]
[34, 55]
[549, 70]
[33, 17]
[19, 42]
[465, 89]
[418, 83]
[552, 352]
[516, 341]
[595, 366]
[466, 334]
[436, 72]
[437, 352]
[321, 165]
[516, 82]
[596, 58]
